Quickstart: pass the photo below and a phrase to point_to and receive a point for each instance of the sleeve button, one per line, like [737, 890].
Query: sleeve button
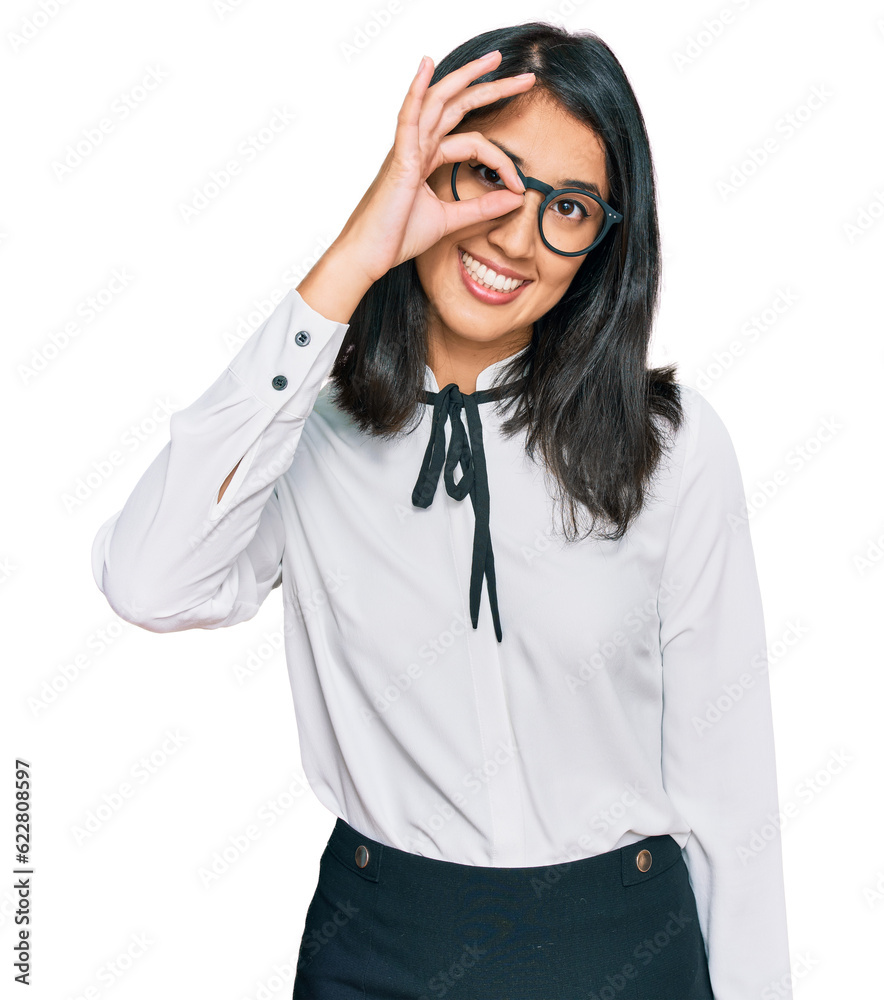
[302, 338]
[279, 382]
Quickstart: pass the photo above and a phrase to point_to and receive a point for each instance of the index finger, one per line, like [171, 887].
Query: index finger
[410, 112]
[459, 78]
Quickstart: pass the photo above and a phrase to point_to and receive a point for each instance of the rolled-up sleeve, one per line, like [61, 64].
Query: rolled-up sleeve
[176, 558]
[718, 756]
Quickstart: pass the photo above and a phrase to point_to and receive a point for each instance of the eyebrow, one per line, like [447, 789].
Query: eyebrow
[566, 183]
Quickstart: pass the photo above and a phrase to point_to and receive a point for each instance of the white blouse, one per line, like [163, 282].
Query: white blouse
[622, 694]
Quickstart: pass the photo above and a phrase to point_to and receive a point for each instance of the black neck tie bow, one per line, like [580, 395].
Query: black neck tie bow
[464, 449]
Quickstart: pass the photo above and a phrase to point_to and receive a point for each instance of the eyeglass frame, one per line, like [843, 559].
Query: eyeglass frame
[612, 216]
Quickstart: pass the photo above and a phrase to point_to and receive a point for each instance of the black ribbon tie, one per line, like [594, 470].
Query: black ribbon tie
[464, 449]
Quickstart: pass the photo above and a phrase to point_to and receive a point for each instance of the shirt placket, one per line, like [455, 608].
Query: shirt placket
[497, 774]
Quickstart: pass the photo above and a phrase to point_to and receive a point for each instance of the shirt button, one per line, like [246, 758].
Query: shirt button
[643, 860]
[362, 855]
[302, 338]
[280, 382]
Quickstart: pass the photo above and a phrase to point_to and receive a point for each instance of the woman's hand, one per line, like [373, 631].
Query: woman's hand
[399, 215]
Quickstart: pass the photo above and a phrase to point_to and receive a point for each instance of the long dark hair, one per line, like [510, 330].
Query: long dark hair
[590, 402]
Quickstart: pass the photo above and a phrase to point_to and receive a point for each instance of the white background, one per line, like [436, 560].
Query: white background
[801, 398]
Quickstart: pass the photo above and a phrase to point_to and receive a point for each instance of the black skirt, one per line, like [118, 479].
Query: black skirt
[385, 924]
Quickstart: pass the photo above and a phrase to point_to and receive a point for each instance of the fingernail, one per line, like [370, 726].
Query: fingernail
[491, 53]
[522, 76]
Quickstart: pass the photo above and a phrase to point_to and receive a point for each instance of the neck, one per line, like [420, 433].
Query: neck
[456, 359]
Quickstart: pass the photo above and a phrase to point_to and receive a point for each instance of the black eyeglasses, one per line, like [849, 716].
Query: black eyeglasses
[570, 233]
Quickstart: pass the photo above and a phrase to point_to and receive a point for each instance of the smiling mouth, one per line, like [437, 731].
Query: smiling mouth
[487, 277]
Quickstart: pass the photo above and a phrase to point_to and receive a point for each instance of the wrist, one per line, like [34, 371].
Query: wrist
[354, 256]
[336, 283]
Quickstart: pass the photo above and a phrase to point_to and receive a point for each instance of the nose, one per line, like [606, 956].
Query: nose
[516, 232]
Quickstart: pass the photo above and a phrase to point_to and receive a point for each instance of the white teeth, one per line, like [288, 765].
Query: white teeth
[486, 276]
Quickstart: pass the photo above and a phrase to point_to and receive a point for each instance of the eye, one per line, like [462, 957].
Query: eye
[485, 174]
[570, 209]
[575, 208]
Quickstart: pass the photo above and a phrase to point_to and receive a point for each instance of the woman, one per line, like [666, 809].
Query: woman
[563, 787]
